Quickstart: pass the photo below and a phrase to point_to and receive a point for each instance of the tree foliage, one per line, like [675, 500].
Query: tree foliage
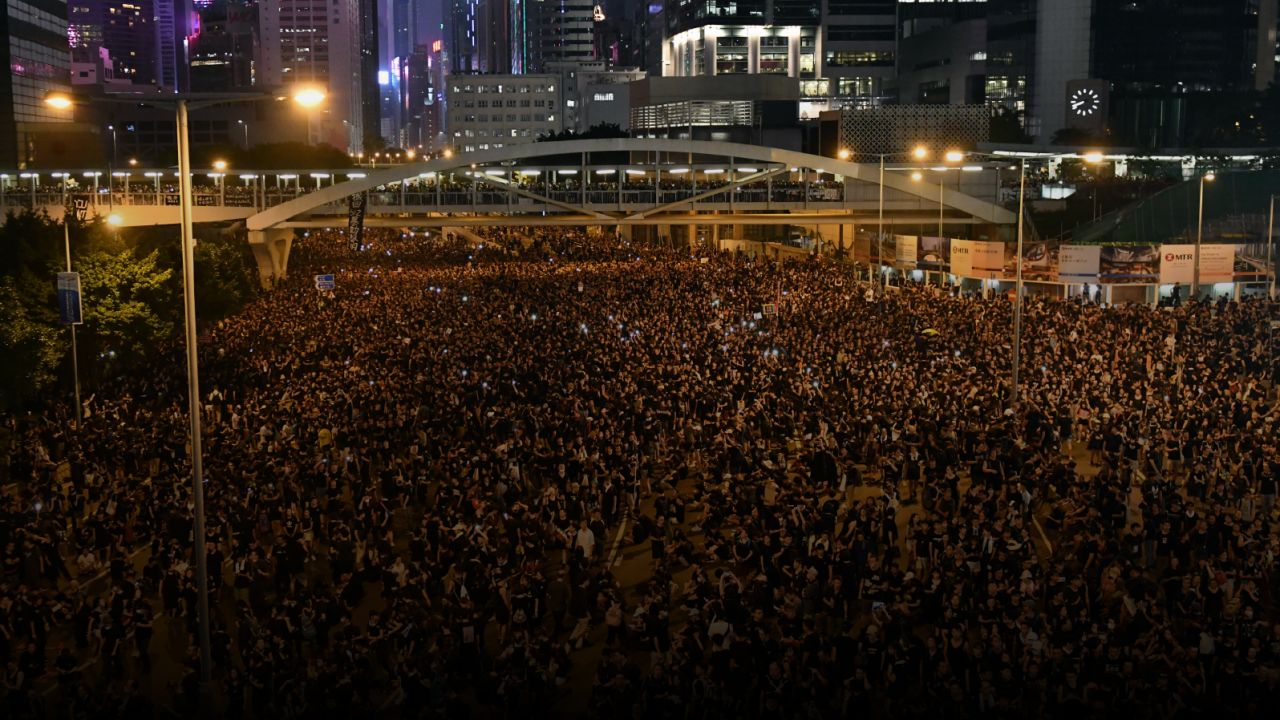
[131, 297]
[123, 295]
[30, 347]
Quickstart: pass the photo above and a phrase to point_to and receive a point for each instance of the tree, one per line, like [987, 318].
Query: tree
[30, 347]
[121, 295]
[224, 278]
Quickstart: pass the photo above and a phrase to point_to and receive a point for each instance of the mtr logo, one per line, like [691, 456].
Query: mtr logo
[1171, 257]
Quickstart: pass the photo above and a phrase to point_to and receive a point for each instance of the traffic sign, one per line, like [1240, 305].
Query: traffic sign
[324, 282]
[69, 310]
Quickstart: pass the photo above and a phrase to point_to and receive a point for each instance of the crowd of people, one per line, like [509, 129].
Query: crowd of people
[564, 474]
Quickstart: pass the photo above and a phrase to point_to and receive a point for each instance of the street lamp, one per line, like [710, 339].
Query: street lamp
[1195, 280]
[245, 126]
[1271, 248]
[918, 176]
[920, 152]
[112, 128]
[1094, 157]
[956, 156]
[306, 97]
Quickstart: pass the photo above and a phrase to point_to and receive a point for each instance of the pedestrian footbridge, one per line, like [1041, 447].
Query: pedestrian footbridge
[619, 182]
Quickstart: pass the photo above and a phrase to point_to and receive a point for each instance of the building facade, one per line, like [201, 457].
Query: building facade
[487, 112]
[36, 54]
[317, 44]
[842, 52]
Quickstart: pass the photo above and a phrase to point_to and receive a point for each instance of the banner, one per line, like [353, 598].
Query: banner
[1177, 264]
[1039, 262]
[905, 251]
[987, 259]
[1130, 264]
[934, 253]
[70, 311]
[355, 219]
[1079, 263]
[962, 258]
[1217, 263]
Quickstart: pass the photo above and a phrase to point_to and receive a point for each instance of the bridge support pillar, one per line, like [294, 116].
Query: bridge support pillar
[271, 250]
[691, 236]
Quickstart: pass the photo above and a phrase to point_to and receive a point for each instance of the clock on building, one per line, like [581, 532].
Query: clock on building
[1085, 102]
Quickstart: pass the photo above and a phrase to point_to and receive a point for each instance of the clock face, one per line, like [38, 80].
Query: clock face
[1085, 102]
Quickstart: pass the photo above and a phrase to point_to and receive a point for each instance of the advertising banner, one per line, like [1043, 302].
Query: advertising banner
[962, 258]
[987, 259]
[1039, 262]
[934, 253]
[905, 251]
[1130, 264]
[1217, 263]
[1177, 264]
[1079, 263]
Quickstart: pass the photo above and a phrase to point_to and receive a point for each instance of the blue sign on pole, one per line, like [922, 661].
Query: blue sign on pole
[69, 298]
[324, 282]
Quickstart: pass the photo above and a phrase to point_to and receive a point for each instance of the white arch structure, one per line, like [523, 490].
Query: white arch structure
[270, 231]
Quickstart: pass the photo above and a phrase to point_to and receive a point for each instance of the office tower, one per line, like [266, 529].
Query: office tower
[942, 53]
[1173, 68]
[843, 53]
[222, 49]
[174, 29]
[126, 30]
[317, 44]
[35, 52]
[370, 95]
[560, 31]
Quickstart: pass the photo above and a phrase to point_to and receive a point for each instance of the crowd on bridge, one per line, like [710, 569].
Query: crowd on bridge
[562, 474]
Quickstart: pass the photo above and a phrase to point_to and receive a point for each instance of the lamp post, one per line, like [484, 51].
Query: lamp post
[1271, 249]
[1017, 299]
[112, 128]
[919, 153]
[244, 126]
[75, 355]
[1195, 279]
[918, 176]
[221, 177]
[957, 156]
[306, 97]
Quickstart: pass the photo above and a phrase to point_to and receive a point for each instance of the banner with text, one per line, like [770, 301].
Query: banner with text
[905, 255]
[1177, 264]
[962, 258]
[1079, 263]
[987, 259]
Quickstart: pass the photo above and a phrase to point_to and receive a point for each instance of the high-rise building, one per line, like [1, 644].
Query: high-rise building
[317, 44]
[1172, 68]
[490, 111]
[175, 28]
[222, 49]
[842, 52]
[34, 49]
[561, 31]
[126, 30]
[490, 36]
[370, 92]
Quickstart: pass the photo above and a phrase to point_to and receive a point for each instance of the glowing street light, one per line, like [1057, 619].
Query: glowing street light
[308, 96]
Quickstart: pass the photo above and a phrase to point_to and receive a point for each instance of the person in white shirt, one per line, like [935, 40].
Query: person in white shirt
[586, 539]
